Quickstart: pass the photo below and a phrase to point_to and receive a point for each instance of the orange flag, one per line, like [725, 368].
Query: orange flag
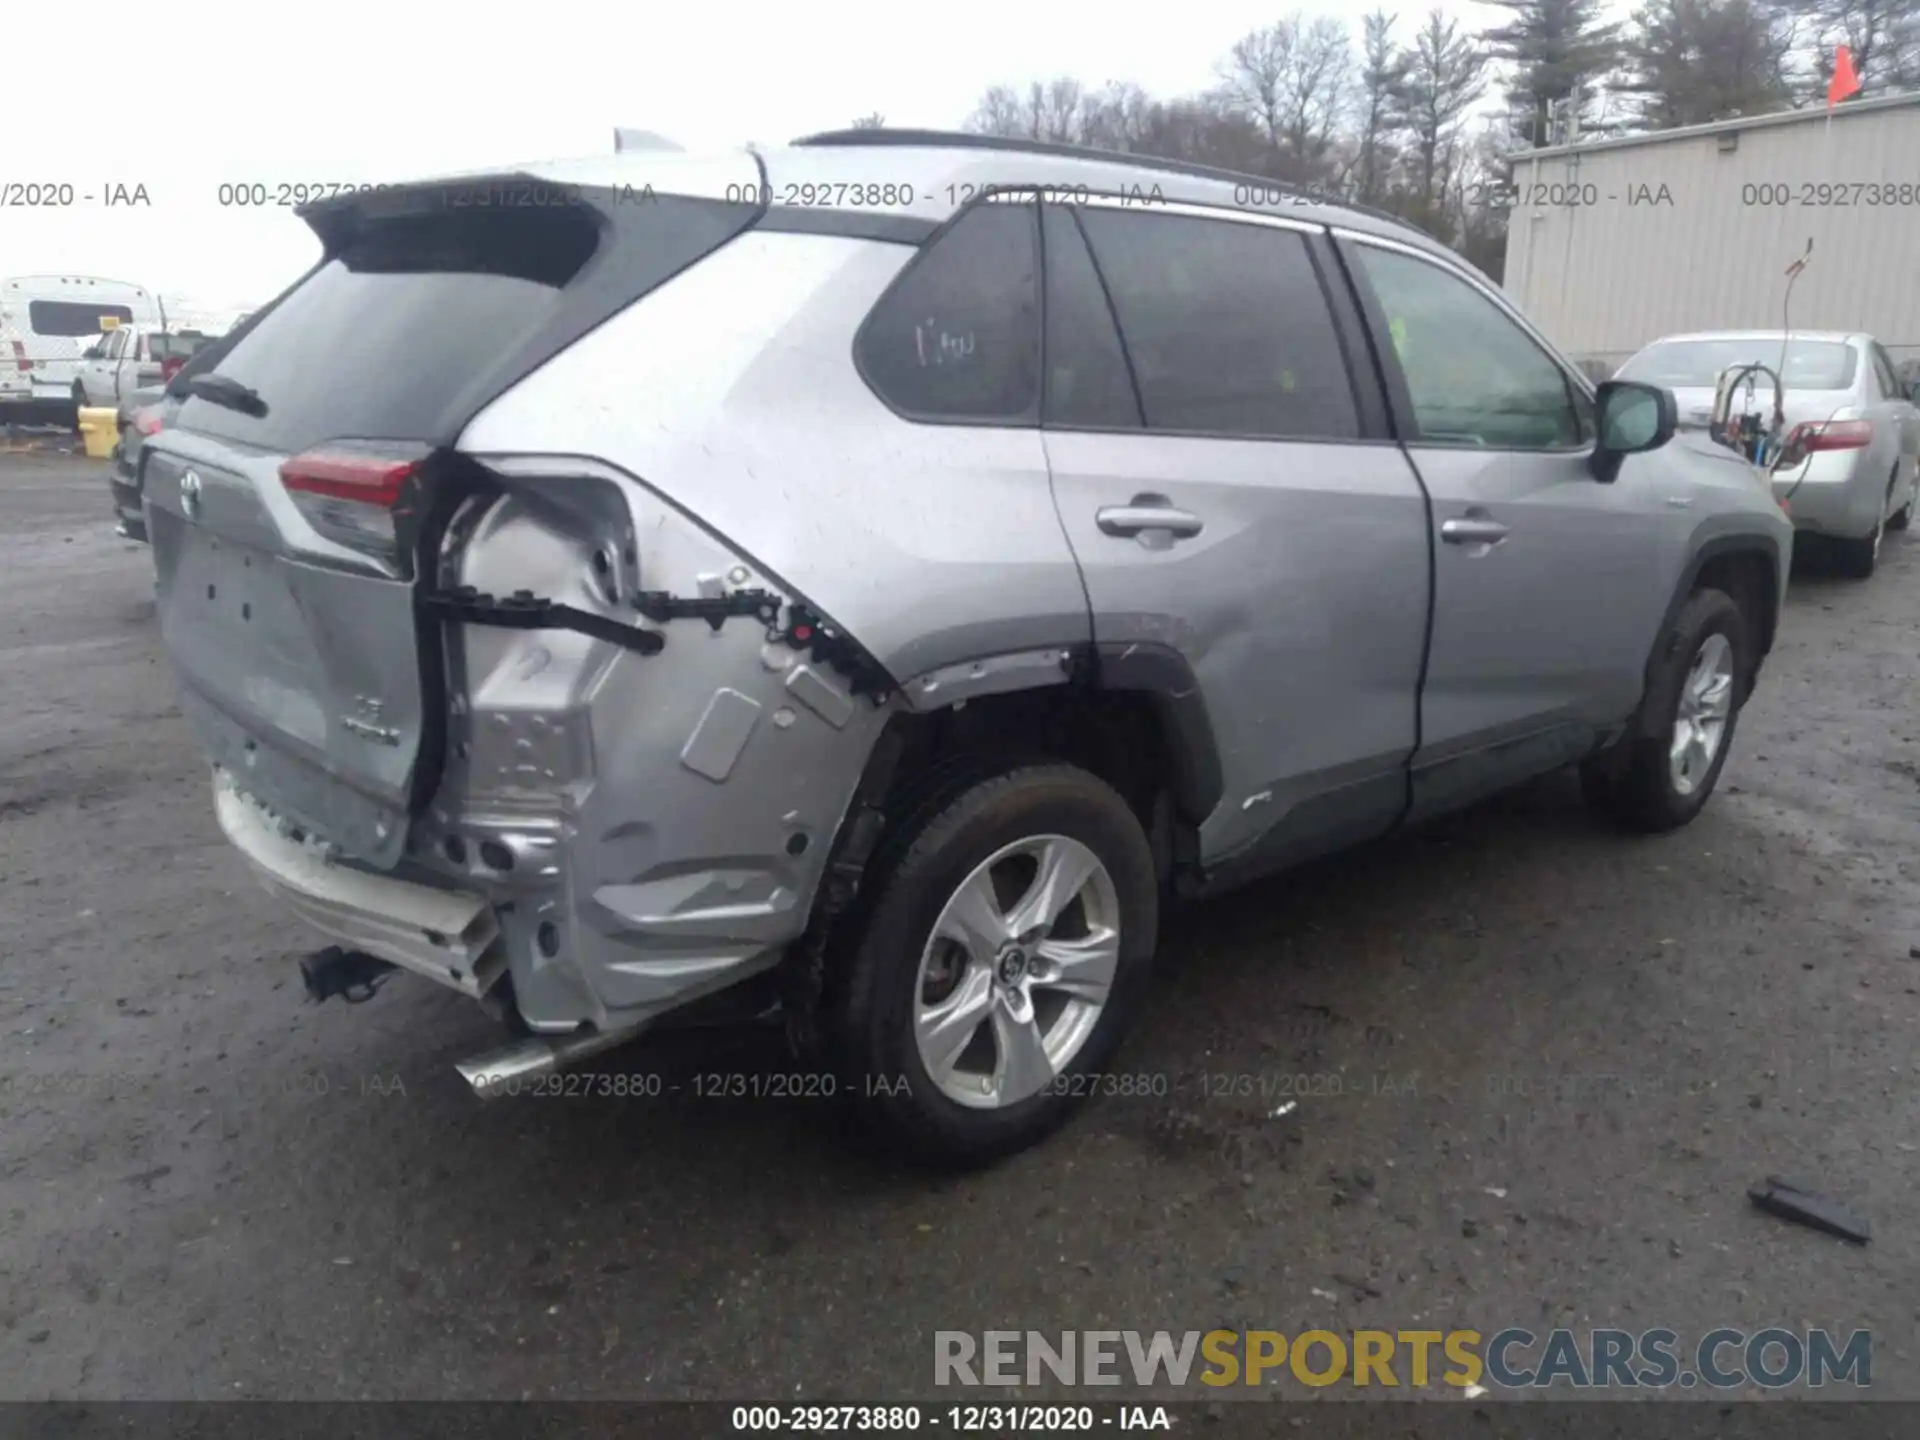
[1845, 81]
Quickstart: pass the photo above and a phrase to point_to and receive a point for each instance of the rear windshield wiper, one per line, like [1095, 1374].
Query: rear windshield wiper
[221, 390]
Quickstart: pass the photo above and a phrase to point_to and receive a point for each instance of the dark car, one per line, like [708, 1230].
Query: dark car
[142, 414]
[148, 411]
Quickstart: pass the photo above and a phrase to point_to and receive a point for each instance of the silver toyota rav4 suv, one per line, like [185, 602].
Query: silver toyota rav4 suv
[873, 576]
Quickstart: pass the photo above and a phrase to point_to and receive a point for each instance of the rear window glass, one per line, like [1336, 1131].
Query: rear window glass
[1698, 364]
[68, 317]
[415, 319]
[957, 337]
[177, 346]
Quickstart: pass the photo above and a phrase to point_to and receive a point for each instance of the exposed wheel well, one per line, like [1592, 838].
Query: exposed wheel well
[1117, 735]
[922, 759]
[1747, 577]
[1122, 736]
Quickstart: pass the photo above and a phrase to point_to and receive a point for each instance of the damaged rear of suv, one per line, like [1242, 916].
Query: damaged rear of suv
[482, 704]
[655, 578]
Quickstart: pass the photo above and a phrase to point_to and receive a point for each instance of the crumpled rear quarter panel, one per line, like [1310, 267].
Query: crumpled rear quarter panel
[669, 815]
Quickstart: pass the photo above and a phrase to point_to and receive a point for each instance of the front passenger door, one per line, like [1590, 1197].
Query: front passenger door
[98, 376]
[1549, 585]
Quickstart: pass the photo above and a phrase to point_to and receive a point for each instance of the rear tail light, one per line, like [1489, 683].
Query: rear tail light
[146, 420]
[355, 494]
[1817, 435]
[20, 360]
[170, 366]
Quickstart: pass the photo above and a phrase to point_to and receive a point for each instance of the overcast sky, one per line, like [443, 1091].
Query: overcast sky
[363, 90]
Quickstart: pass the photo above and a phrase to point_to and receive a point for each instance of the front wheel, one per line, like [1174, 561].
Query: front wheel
[1005, 955]
[1661, 775]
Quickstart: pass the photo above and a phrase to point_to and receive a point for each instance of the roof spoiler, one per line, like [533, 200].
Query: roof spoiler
[625, 140]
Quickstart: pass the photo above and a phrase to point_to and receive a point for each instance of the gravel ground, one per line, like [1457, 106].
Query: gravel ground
[1542, 1065]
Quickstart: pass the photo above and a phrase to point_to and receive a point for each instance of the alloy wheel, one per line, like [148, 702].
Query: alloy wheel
[1017, 971]
[1700, 725]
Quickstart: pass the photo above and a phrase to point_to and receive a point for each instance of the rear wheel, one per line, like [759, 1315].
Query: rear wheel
[1858, 558]
[1658, 781]
[1901, 517]
[1005, 955]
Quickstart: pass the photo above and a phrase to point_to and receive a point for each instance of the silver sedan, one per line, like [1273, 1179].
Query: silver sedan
[1849, 416]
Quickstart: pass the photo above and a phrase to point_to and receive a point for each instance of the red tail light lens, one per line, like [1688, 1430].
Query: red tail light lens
[353, 494]
[170, 367]
[343, 475]
[21, 362]
[1817, 435]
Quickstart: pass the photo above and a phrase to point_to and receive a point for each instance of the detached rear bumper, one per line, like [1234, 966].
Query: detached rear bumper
[446, 935]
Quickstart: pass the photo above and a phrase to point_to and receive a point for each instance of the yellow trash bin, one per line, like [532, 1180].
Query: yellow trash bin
[97, 429]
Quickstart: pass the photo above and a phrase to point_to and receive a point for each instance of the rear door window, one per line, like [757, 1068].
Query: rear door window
[1225, 324]
[178, 345]
[75, 319]
[1087, 382]
[957, 335]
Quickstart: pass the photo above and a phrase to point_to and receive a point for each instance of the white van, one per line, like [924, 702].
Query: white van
[49, 322]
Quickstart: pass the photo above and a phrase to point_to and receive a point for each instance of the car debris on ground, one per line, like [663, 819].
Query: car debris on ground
[1804, 1207]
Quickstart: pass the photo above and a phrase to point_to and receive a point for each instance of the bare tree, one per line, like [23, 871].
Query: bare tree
[1121, 117]
[998, 112]
[872, 120]
[1883, 36]
[1051, 110]
[1289, 79]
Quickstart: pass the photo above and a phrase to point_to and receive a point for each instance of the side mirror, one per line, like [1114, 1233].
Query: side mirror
[1913, 392]
[1631, 418]
[92, 352]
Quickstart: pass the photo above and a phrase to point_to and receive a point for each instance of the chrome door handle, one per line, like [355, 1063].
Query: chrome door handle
[1130, 520]
[1472, 532]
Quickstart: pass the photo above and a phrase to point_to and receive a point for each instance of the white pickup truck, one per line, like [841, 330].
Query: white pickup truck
[131, 356]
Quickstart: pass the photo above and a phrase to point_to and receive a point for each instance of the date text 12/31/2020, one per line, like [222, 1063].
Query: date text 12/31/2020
[766, 1085]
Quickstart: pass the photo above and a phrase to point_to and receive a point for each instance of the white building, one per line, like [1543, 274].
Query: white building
[1614, 243]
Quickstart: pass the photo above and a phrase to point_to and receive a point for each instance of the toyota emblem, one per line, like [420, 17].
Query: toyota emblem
[190, 493]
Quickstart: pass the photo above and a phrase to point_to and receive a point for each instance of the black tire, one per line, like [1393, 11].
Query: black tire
[1632, 784]
[1900, 518]
[1856, 559]
[875, 977]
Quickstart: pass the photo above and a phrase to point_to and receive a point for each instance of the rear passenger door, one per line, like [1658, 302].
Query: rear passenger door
[1549, 585]
[1896, 410]
[1222, 466]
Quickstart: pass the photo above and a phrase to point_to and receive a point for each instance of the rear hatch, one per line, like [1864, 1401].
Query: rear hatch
[291, 501]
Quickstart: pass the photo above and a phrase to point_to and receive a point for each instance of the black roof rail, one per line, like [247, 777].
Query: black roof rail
[967, 140]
